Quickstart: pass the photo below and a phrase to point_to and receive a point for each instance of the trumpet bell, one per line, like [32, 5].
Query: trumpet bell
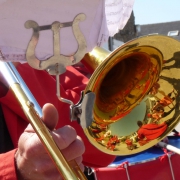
[123, 80]
[122, 84]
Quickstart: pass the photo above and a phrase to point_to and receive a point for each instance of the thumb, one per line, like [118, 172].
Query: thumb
[50, 116]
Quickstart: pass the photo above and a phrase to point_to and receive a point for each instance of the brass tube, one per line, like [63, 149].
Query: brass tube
[68, 170]
[94, 58]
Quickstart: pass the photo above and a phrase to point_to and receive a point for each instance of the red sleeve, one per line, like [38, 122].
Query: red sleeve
[7, 166]
[43, 87]
[153, 131]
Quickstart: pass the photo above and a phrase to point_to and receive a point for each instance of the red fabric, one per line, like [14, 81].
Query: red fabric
[151, 131]
[111, 174]
[158, 169]
[43, 87]
[7, 171]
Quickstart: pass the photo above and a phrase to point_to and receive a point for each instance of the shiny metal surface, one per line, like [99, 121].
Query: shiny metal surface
[56, 65]
[57, 58]
[68, 170]
[13, 77]
[127, 85]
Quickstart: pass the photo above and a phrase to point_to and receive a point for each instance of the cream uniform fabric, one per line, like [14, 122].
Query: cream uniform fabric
[103, 19]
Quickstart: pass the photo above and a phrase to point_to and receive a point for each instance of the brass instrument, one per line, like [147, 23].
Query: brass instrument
[119, 84]
[68, 170]
[122, 83]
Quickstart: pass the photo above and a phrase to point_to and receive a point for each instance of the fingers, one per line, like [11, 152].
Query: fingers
[50, 116]
[76, 149]
[81, 167]
[32, 155]
[64, 136]
[79, 162]
[66, 139]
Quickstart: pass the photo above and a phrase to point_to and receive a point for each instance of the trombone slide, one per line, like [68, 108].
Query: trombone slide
[68, 170]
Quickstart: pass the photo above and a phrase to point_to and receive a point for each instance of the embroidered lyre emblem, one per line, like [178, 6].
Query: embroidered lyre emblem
[57, 60]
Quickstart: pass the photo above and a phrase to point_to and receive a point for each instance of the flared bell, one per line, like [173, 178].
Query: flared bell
[128, 86]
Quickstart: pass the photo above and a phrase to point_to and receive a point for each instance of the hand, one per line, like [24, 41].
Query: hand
[32, 161]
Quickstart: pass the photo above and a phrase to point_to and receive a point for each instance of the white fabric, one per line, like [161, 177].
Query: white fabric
[99, 24]
[117, 14]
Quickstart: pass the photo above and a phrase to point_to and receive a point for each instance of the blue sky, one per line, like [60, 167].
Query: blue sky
[156, 11]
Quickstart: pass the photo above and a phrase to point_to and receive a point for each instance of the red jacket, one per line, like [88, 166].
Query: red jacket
[43, 87]
[151, 131]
